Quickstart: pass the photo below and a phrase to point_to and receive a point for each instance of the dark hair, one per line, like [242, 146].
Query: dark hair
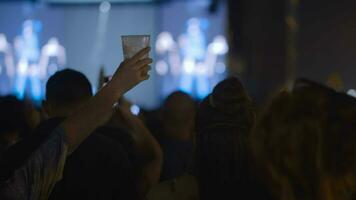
[229, 103]
[340, 130]
[306, 136]
[13, 115]
[176, 107]
[224, 121]
[67, 86]
[339, 150]
[287, 145]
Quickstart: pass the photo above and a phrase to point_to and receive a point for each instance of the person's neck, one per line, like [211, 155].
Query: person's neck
[64, 111]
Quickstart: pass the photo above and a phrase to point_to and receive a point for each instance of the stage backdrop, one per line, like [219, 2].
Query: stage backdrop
[87, 37]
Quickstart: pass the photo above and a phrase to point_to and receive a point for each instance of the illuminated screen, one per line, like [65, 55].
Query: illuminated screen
[190, 50]
[99, 1]
[25, 65]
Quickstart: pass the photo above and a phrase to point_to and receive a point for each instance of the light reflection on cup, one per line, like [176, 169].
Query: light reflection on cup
[132, 44]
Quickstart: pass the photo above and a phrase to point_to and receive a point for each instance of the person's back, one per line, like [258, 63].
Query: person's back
[224, 121]
[176, 136]
[177, 158]
[100, 167]
[30, 168]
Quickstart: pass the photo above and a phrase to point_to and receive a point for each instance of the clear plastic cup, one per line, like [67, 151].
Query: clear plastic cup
[131, 44]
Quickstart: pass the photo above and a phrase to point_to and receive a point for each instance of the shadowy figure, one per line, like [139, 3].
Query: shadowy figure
[177, 116]
[224, 121]
[304, 144]
[99, 168]
[30, 168]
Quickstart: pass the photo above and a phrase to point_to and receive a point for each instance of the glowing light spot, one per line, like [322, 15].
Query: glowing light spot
[161, 67]
[189, 66]
[22, 67]
[219, 46]
[220, 68]
[135, 109]
[201, 69]
[105, 6]
[3, 42]
[191, 59]
[164, 42]
[352, 92]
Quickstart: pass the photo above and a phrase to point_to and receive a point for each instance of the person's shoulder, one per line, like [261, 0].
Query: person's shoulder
[99, 139]
[115, 133]
[47, 126]
[97, 145]
[118, 135]
[18, 154]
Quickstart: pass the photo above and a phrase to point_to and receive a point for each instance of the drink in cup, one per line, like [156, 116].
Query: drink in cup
[132, 44]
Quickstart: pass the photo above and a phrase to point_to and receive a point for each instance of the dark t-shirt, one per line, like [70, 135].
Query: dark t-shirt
[98, 169]
[123, 137]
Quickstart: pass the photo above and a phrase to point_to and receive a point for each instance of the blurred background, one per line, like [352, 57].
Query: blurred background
[195, 43]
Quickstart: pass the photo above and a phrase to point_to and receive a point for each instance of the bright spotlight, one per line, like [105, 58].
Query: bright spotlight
[220, 68]
[189, 66]
[135, 109]
[161, 67]
[105, 6]
[352, 92]
[219, 46]
[164, 42]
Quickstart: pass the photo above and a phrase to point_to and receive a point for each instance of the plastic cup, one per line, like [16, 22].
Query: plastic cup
[131, 44]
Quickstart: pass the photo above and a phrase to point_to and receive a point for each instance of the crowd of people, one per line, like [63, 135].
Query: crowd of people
[80, 145]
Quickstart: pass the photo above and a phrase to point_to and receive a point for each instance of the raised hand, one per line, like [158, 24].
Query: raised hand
[133, 71]
[99, 108]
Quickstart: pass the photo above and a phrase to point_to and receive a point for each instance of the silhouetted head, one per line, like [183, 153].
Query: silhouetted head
[229, 103]
[66, 91]
[224, 121]
[306, 143]
[178, 114]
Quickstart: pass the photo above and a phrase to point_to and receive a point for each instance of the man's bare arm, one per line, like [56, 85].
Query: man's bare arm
[100, 107]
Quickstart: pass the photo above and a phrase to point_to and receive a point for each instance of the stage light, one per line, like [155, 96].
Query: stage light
[352, 92]
[26, 64]
[3, 42]
[105, 6]
[164, 42]
[6, 59]
[219, 46]
[194, 63]
[135, 109]
[220, 68]
[188, 66]
[161, 67]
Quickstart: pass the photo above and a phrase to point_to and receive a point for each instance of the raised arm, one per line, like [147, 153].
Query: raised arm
[100, 108]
